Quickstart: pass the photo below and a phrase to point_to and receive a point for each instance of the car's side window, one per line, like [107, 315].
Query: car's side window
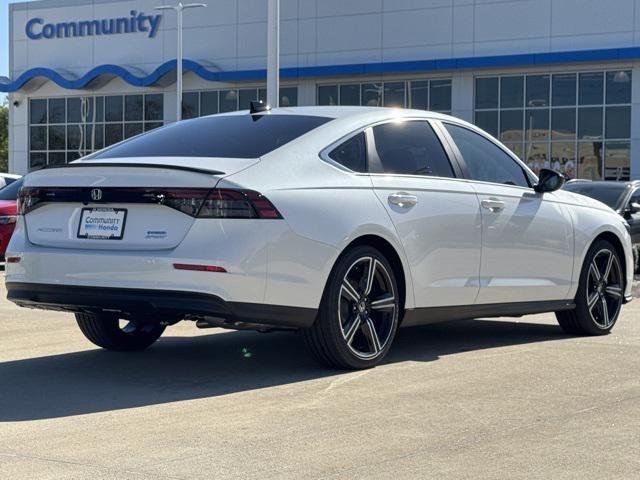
[412, 148]
[352, 154]
[486, 161]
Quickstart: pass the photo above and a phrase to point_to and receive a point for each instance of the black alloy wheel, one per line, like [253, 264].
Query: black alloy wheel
[359, 313]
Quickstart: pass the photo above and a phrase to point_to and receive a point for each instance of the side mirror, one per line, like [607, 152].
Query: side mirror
[549, 181]
[634, 207]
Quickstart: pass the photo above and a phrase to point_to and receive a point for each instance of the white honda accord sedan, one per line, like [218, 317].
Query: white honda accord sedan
[343, 223]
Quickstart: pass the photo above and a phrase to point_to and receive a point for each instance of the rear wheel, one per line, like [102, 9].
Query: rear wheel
[358, 316]
[600, 293]
[106, 331]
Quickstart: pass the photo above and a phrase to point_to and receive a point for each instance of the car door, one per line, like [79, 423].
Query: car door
[527, 237]
[436, 215]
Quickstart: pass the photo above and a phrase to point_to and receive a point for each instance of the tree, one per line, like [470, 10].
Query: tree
[4, 137]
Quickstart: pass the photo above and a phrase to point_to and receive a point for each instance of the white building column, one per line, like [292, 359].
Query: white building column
[170, 113]
[306, 93]
[462, 95]
[18, 134]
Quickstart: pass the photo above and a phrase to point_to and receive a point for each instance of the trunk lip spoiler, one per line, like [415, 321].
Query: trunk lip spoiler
[136, 165]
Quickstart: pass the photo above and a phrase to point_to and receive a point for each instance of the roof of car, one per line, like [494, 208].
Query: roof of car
[604, 182]
[334, 111]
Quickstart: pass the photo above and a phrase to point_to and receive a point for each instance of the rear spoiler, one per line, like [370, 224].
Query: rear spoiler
[135, 165]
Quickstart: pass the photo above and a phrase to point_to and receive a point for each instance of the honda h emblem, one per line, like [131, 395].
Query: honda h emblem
[96, 194]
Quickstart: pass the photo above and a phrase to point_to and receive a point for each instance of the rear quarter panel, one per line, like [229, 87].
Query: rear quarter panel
[326, 209]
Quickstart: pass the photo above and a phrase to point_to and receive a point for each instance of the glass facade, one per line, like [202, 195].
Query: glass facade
[64, 129]
[432, 95]
[210, 102]
[576, 123]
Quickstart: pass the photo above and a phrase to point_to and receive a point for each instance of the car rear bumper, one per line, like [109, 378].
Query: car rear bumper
[265, 264]
[160, 305]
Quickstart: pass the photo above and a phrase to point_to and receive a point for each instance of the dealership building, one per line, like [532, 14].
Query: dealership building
[557, 81]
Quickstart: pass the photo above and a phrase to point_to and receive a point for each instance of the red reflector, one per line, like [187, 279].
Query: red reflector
[13, 259]
[199, 268]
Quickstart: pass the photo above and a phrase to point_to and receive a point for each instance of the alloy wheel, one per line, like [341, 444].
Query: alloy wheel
[367, 307]
[604, 288]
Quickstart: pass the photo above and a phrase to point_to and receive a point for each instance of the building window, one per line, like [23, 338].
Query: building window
[421, 94]
[210, 102]
[576, 123]
[64, 129]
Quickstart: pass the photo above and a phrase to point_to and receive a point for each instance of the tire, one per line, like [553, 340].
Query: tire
[358, 315]
[600, 293]
[104, 331]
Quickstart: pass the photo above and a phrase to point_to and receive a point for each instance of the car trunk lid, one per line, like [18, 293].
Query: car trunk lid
[120, 204]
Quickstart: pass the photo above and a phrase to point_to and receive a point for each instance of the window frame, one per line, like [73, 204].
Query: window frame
[525, 149]
[345, 140]
[408, 92]
[371, 149]
[259, 93]
[529, 176]
[100, 125]
[627, 202]
[325, 152]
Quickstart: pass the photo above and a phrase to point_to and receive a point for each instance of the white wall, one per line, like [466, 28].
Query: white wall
[230, 34]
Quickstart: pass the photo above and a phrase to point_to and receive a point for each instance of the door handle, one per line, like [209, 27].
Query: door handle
[493, 204]
[403, 199]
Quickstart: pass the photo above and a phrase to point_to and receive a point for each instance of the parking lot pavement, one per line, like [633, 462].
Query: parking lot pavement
[475, 399]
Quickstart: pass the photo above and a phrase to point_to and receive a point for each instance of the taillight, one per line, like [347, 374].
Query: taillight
[182, 199]
[195, 202]
[7, 219]
[226, 203]
[28, 198]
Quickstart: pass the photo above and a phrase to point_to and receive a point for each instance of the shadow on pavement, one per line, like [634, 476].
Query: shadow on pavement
[179, 368]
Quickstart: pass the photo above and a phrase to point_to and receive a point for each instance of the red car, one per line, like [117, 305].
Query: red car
[8, 214]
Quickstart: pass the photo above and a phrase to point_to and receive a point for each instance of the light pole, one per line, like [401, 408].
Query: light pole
[179, 9]
[273, 53]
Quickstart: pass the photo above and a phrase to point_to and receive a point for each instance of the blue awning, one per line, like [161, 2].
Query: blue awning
[168, 68]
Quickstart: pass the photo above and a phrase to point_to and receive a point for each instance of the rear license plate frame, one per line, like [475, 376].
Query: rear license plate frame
[87, 236]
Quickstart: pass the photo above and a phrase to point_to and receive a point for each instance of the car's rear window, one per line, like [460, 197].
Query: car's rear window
[229, 136]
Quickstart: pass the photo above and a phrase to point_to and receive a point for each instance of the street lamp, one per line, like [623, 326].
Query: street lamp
[179, 8]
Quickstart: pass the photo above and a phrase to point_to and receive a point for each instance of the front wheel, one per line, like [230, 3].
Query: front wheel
[359, 312]
[600, 293]
[105, 331]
